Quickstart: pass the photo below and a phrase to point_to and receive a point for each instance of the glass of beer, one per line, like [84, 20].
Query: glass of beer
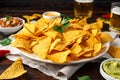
[83, 8]
[115, 17]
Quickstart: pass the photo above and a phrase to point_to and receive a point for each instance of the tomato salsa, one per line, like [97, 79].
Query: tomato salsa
[9, 21]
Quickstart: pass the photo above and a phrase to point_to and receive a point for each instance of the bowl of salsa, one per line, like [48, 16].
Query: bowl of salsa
[9, 24]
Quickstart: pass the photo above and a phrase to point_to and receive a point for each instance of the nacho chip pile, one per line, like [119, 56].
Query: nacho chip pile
[79, 41]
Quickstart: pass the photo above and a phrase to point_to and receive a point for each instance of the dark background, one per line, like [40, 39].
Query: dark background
[39, 6]
[50, 4]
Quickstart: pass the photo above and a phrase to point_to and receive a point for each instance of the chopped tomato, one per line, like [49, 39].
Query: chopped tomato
[1, 22]
[10, 21]
[106, 16]
[4, 52]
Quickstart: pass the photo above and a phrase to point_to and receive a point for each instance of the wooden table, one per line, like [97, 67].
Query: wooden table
[90, 68]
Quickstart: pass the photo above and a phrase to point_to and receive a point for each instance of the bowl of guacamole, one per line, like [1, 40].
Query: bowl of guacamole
[110, 69]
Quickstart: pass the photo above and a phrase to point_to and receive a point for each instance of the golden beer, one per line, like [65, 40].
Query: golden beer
[83, 8]
[115, 18]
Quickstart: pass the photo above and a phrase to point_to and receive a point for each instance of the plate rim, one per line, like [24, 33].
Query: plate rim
[34, 57]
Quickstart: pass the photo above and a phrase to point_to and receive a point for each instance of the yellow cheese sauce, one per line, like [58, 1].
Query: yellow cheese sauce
[51, 14]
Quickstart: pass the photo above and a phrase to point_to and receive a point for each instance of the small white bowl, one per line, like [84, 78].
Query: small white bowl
[51, 14]
[10, 30]
[103, 73]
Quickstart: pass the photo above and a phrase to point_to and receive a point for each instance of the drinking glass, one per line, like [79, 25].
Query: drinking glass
[83, 8]
[115, 16]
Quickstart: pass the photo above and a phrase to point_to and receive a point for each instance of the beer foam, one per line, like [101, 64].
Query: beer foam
[84, 1]
[116, 10]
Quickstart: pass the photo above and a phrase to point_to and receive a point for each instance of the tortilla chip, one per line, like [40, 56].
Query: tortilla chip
[96, 25]
[60, 46]
[75, 24]
[55, 22]
[97, 48]
[40, 26]
[13, 71]
[105, 37]
[53, 44]
[88, 54]
[41, 49]
[114, 51]
[26, 33]
[101, 19]
[52, 34]
[23, 44]
[95, 32]
[102, 49]
[71, 35]
[34, 16]
[79, 40]
[75, 50]
[37, 15]
[90, 42]
[59, 57]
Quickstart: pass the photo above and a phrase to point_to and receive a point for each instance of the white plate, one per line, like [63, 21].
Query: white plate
[36, 58]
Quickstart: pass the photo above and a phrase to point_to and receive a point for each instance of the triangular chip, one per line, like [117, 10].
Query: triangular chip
[14, 71]
[52, 34]
[71, 35]
[97, 25]
[75, 50]
[60, 46]
[114, 51]
[59, 57]
[53, 44]
[40, 25]
[41, 49]
[105, 37]
[97, 48]
[23, 44]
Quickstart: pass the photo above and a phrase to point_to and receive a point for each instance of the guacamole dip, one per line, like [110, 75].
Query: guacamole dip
[112, 68]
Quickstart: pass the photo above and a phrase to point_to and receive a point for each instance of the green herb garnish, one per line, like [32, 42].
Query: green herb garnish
[8, 17]
[64, 24]
[58, 28]
[84, 78]
[65, 20]
[5, 41]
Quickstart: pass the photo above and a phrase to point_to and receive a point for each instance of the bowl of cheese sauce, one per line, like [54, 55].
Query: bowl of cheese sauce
[51, 14]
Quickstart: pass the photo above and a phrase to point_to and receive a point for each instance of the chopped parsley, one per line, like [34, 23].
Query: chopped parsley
[64, 24]
[84, 78]
[5, 41]
[8, 17]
